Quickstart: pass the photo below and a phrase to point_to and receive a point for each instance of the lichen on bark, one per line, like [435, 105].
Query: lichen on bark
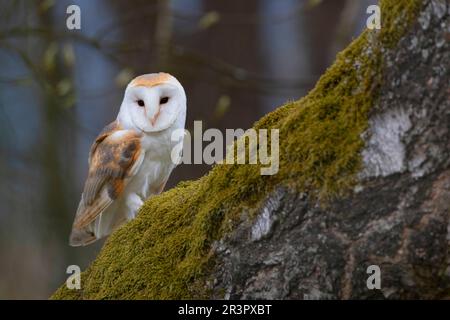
[166, 252]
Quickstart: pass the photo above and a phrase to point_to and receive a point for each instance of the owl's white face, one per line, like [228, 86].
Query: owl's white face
[152, 102]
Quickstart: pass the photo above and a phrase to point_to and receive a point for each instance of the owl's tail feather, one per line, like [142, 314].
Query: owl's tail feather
[81, 237]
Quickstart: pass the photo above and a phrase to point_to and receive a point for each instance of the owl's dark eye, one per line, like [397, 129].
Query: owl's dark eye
[164, 100]
[140, 103]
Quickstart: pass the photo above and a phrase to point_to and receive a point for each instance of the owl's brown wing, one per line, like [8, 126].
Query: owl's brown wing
[115, 157]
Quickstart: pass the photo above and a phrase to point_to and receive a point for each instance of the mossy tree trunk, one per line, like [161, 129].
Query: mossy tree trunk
[364, 180]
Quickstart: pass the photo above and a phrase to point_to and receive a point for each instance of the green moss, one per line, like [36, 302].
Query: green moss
[165, 252]
[396, 18]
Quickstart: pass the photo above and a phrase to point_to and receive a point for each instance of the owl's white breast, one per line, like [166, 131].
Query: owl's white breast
[157, 164]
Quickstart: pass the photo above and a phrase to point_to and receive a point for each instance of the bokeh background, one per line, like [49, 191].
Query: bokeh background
[237, 60]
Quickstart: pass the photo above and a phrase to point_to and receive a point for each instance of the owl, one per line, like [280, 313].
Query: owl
[131, 158]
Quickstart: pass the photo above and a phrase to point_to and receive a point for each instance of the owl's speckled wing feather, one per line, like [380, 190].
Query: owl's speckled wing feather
[115, 157]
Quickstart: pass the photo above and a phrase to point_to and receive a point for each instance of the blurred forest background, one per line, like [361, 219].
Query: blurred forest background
[236, 59]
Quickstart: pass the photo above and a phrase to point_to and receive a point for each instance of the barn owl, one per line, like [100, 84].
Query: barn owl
[131, 158]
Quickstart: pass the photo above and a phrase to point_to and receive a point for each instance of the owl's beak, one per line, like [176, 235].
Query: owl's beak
[155, 117]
